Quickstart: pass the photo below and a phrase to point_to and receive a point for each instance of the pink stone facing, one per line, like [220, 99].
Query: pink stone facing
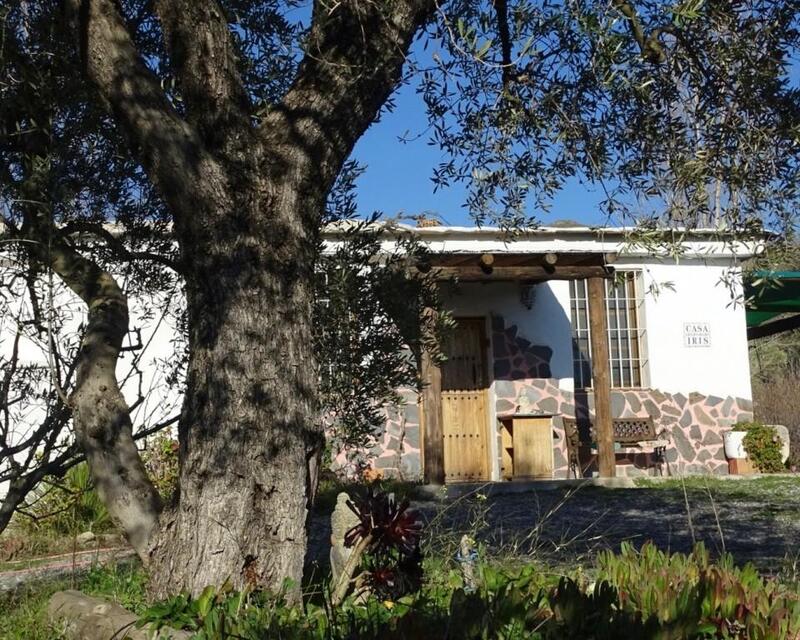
[395, 451]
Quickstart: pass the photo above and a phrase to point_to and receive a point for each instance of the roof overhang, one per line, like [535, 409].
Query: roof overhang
[516, 267]
[675, 244]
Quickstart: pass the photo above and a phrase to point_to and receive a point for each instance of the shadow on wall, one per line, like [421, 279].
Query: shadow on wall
[528, 372]
[545, 350]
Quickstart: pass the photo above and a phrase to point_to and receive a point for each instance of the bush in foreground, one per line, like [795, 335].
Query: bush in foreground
[763, 446]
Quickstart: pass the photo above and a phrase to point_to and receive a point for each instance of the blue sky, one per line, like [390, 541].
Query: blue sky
[398, 174]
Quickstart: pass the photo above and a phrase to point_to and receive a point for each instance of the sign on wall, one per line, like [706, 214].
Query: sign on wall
[696, 334]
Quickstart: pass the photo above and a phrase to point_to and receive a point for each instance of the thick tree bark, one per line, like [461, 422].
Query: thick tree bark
[250, 425]
[247, 203]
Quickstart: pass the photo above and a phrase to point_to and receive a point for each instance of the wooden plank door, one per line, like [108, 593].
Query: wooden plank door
[465, 402]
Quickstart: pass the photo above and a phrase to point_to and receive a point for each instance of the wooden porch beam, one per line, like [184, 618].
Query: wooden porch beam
[601, 378]
[527, 273]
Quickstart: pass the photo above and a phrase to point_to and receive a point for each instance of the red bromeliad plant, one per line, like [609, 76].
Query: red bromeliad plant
[392, 525]
[385, 546]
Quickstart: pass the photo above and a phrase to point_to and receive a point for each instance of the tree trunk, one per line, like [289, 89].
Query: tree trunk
[250, 429]
[247, 202]
[100, 414]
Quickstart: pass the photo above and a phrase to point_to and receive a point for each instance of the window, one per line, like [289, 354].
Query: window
[625, 331]
[581, 346]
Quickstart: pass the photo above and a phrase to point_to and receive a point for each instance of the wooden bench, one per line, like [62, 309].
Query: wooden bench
[636, 432]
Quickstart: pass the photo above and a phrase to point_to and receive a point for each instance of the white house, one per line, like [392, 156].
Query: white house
[518, 396]
[520, 368]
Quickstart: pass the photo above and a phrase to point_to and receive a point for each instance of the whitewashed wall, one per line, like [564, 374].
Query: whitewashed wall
[691, 291]
[702, 296]
[141, 371]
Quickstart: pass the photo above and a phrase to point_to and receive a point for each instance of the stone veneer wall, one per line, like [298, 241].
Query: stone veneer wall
[395, 451]
[693, 424]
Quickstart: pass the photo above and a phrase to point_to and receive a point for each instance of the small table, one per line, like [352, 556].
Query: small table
[527, 446]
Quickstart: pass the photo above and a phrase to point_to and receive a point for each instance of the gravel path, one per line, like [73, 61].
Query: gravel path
[755, 520]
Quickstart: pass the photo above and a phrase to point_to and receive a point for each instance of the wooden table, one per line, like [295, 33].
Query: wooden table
[527, 451]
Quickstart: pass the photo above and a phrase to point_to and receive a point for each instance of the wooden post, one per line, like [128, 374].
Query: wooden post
[433, 437]
[432, 433]
[601, 378]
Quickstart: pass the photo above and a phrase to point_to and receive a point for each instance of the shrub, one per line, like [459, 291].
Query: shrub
[66, 506]
[385, 547]
[763, 446]
[693, 598]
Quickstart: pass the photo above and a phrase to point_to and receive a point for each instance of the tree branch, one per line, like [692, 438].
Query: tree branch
[20, 487]
[501, 11]
[649, 44]
[172, 153]
[201, 50]
[22, 484]
[116, 245]
[353, 62]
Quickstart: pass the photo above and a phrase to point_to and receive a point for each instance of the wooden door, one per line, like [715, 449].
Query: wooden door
[464, 403]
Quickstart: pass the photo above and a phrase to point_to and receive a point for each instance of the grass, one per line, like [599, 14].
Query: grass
[777, 491]
[22, 614]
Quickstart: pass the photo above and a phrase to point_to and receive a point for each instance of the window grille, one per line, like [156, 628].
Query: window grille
[624, 303]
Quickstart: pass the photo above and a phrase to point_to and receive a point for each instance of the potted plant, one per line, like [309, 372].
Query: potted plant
[758, 442]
